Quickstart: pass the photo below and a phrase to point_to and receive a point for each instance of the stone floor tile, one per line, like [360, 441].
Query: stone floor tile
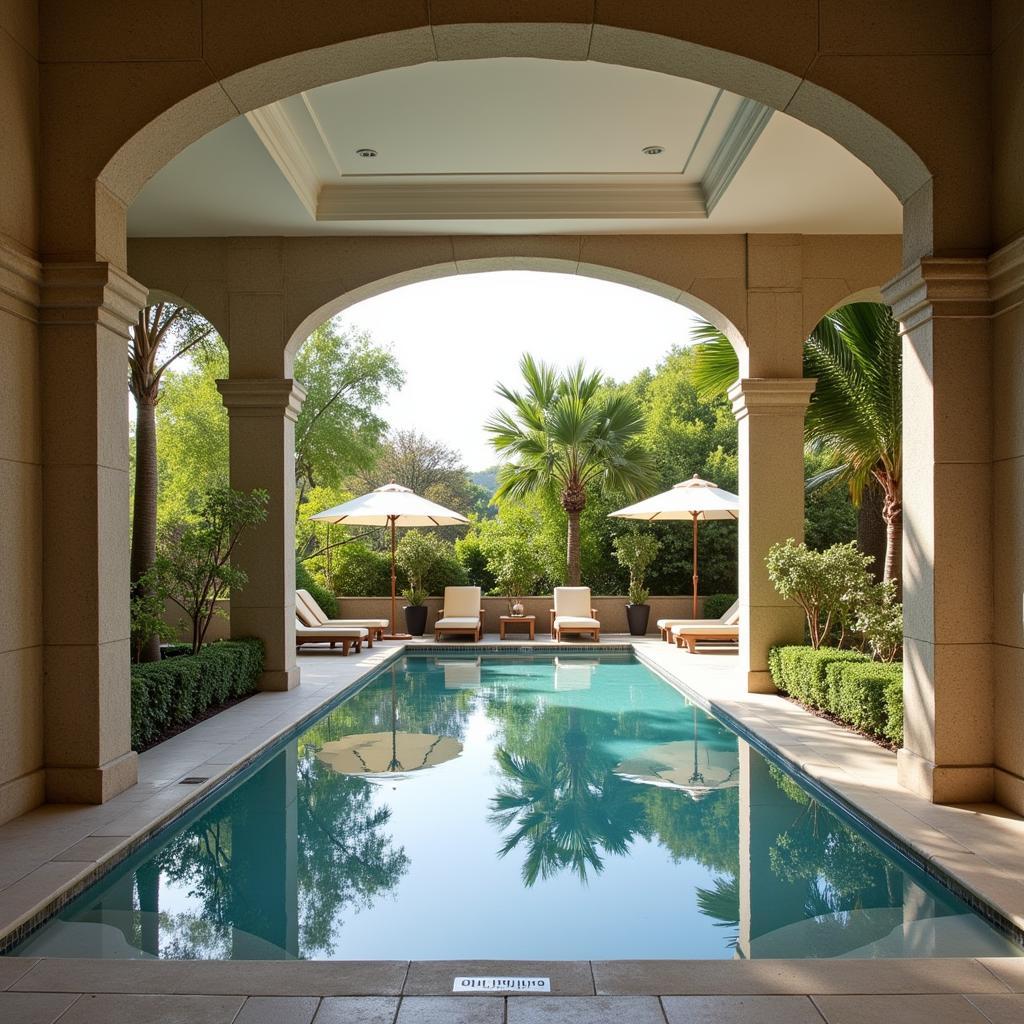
[795, 977]
[585, 1010]
[278, 1010]
[435, 977]
[1008, 969]
[136, 1009]
[740, 1010]
[33, 1007]
[90, 849]
[1004, 1009]
[14, 967]
[357, 1010]
[924, 1009]
[451, 1010]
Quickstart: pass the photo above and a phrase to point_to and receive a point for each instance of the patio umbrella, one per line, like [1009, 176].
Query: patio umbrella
[391, 505]
[693, 499]
[384, 753]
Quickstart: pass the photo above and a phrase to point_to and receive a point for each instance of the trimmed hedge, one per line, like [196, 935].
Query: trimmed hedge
[865, 694]
[174, 692]
[716, 605]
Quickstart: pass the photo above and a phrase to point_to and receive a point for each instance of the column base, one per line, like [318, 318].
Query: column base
[761, 682]
[944, 784]
[1009, 790]
[92, 785]
[275, 680]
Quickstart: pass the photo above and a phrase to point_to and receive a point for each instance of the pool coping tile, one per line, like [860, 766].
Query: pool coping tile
[435, 977]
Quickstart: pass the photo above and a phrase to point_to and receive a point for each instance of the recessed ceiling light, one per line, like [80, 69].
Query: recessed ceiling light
[367, 154]
[653, 150]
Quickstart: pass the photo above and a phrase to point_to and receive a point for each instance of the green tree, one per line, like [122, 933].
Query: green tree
[163, 333]
[635, 550]
[346, 377]
[856, 412]
[567, 433]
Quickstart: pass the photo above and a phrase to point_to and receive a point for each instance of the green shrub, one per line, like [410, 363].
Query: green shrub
[858, 695]
[361, 571]
[893, 700]
[304, 580]
[802, 672]
[172, 693]
[716, 605]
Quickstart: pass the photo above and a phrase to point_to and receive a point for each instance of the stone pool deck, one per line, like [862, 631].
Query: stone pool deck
[49, 854]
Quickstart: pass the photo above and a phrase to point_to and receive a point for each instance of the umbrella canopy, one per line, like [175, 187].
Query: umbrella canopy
[693, 499]
[380, 753]
[391, 505]
[684, 764]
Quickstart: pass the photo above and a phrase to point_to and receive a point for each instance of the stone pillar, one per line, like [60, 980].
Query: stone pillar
[770, 415]
[86, 309]
[943, 307]
[262, 416]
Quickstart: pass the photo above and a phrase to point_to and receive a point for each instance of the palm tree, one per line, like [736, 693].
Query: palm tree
[856, 411]
[570, 433]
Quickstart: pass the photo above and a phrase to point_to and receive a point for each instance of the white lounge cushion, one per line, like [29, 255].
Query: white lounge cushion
[458, 622]
[572, 601]
[571, 622]
[716, 629]
[326, 633]
[669, 623]
[312, 615]
[461, 602]
[367, 623]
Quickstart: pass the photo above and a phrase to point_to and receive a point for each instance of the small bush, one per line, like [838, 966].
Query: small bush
[802, 672]
[174, 692]
[304, 580]
[716, 605]
[893, 700]
[361, 571]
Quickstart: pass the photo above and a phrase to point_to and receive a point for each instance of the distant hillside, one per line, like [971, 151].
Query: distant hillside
[487, 479]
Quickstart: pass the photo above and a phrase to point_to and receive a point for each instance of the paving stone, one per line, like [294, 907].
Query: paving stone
[740, 1010]
[435, 977]
[452, 1010]
[1008, 969]
[357, 1010]
[1004, 1009]
[14, 967]
[135, 1009]
[795, 977]
[948, 1009]
[92, 848]
[278, 1010]
[585, 1010]
[33, 1007]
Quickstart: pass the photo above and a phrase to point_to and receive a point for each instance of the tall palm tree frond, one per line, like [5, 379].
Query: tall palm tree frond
[716, 365]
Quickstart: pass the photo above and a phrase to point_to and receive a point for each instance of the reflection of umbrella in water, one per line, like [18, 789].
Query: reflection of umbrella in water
[382, 753]
[684, 764]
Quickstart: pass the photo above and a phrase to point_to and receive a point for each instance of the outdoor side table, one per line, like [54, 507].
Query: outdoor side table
[530, 621]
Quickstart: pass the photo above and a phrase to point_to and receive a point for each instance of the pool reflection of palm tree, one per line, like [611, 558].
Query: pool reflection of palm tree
[565, 805]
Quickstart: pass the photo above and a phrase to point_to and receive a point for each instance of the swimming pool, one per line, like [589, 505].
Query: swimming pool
[525, 806]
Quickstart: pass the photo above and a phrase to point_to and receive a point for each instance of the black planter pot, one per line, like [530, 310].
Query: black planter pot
[638, 615]
[415, 618]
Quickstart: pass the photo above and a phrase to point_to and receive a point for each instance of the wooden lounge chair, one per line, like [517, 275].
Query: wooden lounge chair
[348, 636]
[311, 614]
[570, 614]
[691, 635]
[728, 618]
[462, 613]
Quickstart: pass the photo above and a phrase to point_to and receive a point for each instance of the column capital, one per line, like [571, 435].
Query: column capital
[269, 397]
[940, 286]
[90, 292]
[771, 395]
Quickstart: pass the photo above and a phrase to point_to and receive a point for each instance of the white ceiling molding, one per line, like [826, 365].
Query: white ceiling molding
[744, 130]
[275, 130]
[542, 197]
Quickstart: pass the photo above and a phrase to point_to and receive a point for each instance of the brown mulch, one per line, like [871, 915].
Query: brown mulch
[215, 709]
[879, 741]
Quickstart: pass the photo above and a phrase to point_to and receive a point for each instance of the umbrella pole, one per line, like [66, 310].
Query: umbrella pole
[694, 565]
[394, 634]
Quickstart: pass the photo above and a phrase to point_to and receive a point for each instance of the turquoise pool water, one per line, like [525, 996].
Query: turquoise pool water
[568, 807]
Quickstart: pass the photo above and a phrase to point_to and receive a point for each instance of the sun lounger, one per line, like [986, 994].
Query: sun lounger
[728, 618]
[462, 613]
[573, 613]
[347, 636]
[311, 614]
[690, 635]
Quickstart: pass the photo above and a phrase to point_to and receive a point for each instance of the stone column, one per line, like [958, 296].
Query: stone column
[86, 309]
[943, 307]
[770, 414]
[262, 416]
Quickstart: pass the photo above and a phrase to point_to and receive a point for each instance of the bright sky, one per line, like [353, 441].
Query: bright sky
[458, 336]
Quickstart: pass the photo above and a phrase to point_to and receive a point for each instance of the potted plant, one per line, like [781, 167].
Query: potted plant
[416, 556]
[636, 552]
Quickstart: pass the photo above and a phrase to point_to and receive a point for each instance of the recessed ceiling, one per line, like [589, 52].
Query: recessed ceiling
[513, 145]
